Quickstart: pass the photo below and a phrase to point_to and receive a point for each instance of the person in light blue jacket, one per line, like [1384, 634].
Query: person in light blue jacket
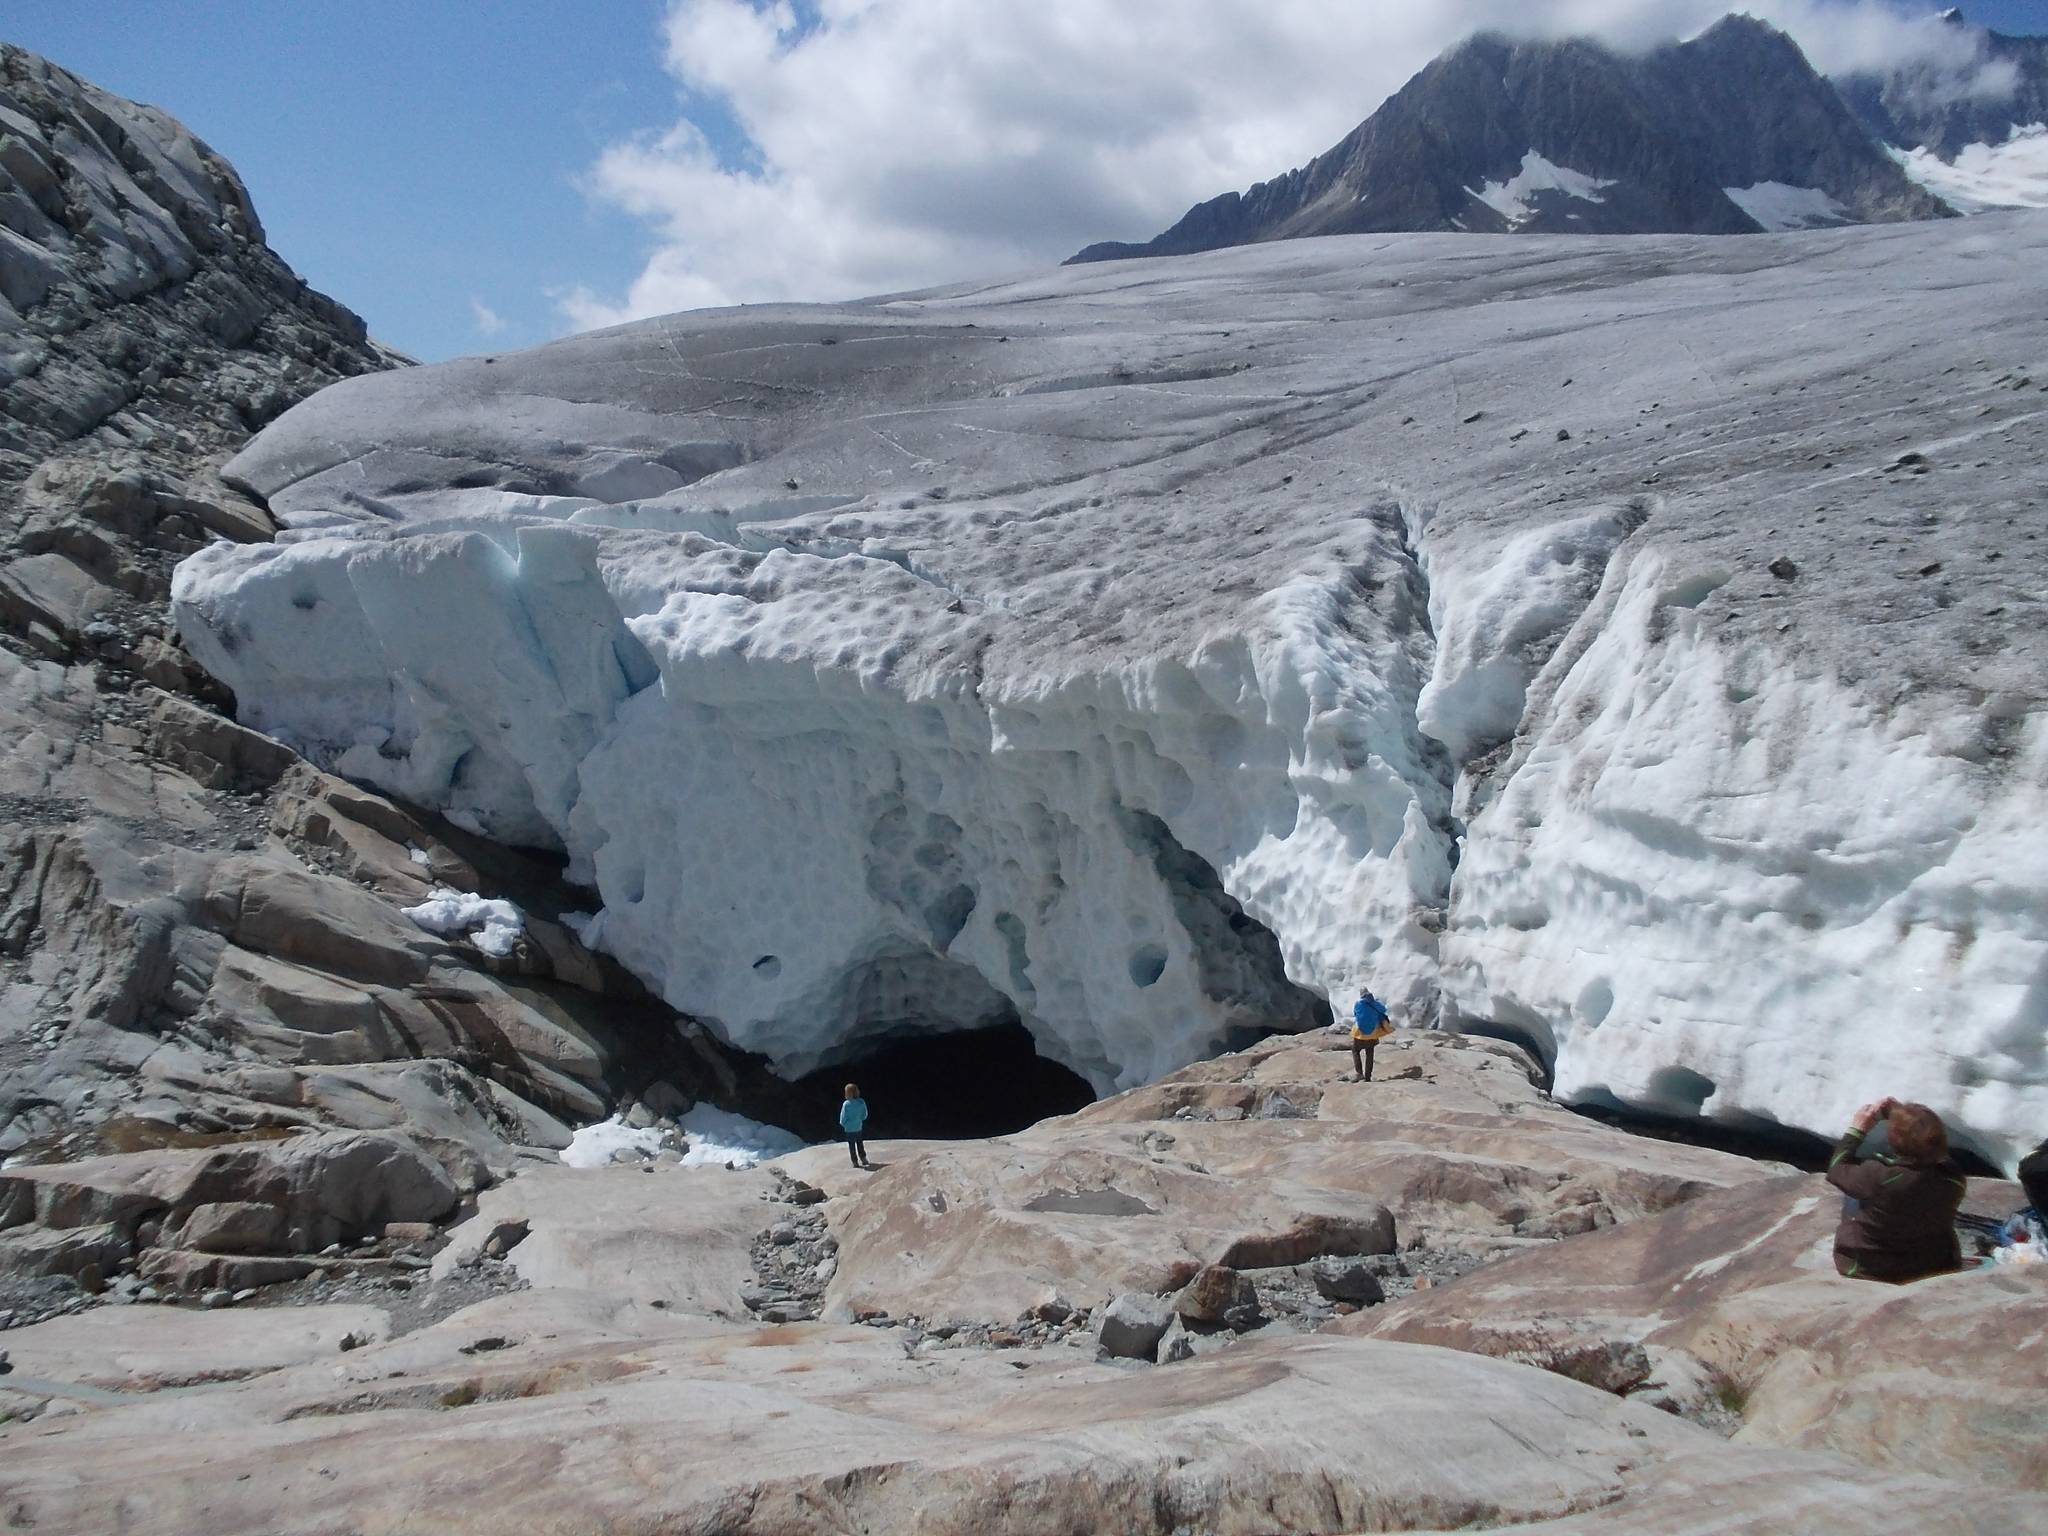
[853, 1123]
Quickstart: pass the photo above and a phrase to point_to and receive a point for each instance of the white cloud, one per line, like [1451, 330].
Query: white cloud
[488, 321]
[900, 143]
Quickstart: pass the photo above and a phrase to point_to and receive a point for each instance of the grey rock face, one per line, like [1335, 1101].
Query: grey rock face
[1664, 134]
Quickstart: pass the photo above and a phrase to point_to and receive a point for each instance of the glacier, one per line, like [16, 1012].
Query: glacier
[1633, 645]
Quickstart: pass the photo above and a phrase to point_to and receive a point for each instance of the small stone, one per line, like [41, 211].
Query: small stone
[1564, 435]
[245, 1293]
[1782, 568]
[216, 1299]
[782, 1234]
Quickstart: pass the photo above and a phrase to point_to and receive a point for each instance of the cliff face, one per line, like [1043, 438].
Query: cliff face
[1729, 133]
[138, 301]
[198, 933]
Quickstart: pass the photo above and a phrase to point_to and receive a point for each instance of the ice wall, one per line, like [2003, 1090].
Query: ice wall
[811, 842]
[1620, 642]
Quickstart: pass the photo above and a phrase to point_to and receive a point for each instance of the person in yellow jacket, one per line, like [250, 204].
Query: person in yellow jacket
[1370, 1025]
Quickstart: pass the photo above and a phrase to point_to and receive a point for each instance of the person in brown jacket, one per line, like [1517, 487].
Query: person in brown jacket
[1899, 1222]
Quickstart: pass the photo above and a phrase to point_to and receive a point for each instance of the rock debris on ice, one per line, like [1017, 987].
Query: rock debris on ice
[1151, 652]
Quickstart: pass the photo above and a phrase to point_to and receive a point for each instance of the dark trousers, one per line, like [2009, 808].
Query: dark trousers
[856, 1147]
[1361, 1057]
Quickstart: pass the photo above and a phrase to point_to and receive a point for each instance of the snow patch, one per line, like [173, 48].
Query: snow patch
[1777, 206]
[1512, 199]
[1984, 177]
[595, 1146]
[493, 926]
[718, 1136]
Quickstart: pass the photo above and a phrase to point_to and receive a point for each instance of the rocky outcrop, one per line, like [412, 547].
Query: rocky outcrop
[1268, 1161]
[160, 1212]
[1975, 86]
[1728, 133]
[1730, 1303]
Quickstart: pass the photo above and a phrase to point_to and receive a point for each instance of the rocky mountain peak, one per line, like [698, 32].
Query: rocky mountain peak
[1730, 132]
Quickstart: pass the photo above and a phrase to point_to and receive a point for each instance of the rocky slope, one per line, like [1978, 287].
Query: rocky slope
[1731, 132]
[1631, 644]
[637, 1385]
[201, 936]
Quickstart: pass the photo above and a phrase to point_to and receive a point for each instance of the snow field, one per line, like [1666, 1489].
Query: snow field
[1513, 199]
[1985, 177]
[716, 1137]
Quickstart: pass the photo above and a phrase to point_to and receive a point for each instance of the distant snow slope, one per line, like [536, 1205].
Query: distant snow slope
[1515, 198]
[1634, 643]
[1777, 207]
[1983, 177]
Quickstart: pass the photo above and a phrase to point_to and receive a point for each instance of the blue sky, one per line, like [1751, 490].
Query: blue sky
[406, 158]
[565, 164]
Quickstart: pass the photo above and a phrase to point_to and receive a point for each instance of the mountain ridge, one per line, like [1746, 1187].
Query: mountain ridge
[1730, 132]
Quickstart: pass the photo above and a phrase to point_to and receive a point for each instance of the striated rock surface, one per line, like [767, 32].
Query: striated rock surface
[1730, 1301]
[1267, 1160]
[1631, 644]
[625, 1391]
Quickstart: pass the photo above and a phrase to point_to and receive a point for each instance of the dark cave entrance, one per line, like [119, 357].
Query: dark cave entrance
[956, 1086]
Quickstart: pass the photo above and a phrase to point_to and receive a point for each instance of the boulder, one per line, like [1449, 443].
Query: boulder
[232, 1226]
[1354, 1283]
[1132, 1325]
[1219, 1296]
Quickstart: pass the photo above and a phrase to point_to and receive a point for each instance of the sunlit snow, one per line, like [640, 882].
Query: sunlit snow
[717, 1137]
[493, 926]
